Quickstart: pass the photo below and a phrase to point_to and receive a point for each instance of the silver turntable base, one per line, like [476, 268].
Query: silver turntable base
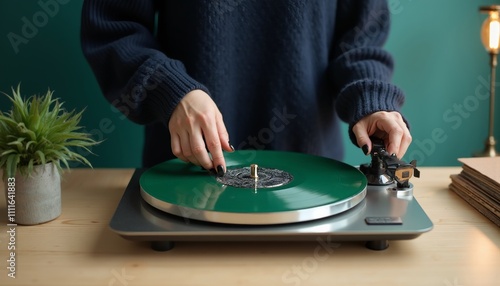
[386, 213]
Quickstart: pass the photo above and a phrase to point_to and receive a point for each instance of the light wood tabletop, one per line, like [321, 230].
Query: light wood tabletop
[78, 248]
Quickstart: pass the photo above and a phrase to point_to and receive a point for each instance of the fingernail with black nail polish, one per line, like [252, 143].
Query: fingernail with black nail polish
[365, 149]
[220, 171]
[232, 147]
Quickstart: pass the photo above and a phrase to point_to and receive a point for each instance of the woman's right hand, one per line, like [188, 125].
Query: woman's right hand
[195, 126]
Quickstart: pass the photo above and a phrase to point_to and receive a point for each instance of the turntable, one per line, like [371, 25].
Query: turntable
[273, 196]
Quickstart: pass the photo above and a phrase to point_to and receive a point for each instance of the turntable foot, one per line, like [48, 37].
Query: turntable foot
[377, 244]
[162, 245]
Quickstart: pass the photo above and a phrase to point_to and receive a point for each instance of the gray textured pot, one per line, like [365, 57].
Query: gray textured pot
[38, 197]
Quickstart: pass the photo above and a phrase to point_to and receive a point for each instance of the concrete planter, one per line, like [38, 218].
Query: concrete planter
[38, 197]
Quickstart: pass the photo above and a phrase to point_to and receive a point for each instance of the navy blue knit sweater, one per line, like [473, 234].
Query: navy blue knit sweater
[282, 72]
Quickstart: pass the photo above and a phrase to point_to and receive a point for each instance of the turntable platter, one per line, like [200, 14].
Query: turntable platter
[259, 188]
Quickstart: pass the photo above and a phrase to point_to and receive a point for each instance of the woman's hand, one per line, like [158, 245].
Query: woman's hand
[388, 126]
[195, 126]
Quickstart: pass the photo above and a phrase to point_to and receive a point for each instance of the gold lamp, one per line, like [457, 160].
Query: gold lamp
[490, 36]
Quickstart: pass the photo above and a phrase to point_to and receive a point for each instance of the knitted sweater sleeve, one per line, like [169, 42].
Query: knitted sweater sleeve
[360, 68]
[117, 38]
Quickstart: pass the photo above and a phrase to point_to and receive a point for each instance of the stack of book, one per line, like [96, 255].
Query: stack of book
[479, 184]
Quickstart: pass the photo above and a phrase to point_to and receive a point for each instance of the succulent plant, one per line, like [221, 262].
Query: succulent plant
[38, 130]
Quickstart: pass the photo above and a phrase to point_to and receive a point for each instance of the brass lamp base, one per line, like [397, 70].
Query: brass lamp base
[489, 149]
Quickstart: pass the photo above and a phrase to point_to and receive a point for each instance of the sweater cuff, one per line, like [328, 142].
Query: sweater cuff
[364, 97]
[163, 84]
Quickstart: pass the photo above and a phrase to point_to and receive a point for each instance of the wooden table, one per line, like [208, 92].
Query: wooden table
[78, 248]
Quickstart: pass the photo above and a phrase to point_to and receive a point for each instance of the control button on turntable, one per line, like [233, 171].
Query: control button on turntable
[383, 220]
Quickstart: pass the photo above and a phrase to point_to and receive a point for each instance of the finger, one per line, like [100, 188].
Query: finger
[398, 134]
[199, 150]
[186, 148]
[405, 140]
[394, 135]
[223, 134]
[176, 147]
[405, 144]
[362, 137]
[214, 145]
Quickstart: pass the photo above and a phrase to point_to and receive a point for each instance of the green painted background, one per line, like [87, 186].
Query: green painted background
[440, 63]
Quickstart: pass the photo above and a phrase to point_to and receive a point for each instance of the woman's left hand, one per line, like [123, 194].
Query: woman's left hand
[388, 126]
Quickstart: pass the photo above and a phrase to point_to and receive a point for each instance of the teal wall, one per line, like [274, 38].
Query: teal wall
[440, 64]
[52, 58]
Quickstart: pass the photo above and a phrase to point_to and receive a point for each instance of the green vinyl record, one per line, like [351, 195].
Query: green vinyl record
[259, 187]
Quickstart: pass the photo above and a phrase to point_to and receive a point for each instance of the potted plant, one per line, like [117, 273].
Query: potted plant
[38, 138]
